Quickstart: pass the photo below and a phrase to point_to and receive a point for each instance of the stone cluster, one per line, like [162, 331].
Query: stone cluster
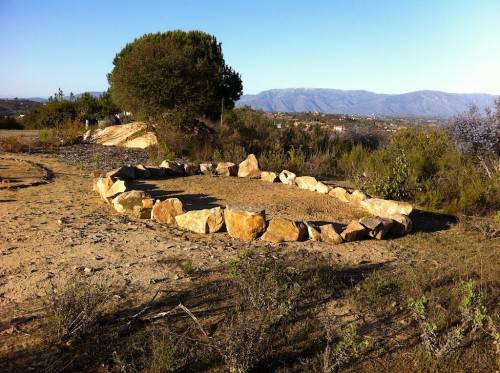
[244, 223]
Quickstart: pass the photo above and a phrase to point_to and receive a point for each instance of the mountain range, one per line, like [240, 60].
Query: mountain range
[336, 101]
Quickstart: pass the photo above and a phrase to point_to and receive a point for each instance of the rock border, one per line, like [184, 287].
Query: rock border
[46, 178]
[388, 218]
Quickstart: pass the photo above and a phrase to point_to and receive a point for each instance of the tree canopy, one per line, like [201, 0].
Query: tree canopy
[174, 71]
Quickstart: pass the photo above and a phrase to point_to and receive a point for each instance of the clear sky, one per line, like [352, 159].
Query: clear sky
[386, 46]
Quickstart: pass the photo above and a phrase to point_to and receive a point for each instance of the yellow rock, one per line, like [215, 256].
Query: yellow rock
[249, 167]
[322, 188]
[164, 212]
[226, 169]
[339, 193]
[269, 177]
[280, 230]
[306, 182]
[244, 223]
[385, 207]
[329, 234]
[354, 231]
[201, 221]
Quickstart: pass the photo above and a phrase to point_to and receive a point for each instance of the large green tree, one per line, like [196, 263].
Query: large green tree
[174, 72]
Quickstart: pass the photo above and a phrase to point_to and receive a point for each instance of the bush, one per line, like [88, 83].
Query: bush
[9, 123]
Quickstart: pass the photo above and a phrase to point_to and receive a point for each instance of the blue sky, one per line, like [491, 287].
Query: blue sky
[384, 46]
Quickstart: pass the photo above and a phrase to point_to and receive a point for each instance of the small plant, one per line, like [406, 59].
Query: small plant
[395, 185]
[73, 308]
[473, 318]
[350, 346]
[187, 267]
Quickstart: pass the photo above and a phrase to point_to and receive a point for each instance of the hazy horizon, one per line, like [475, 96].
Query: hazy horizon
[381, 47]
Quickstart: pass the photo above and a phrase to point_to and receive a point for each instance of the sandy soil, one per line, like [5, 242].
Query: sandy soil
[60, 229]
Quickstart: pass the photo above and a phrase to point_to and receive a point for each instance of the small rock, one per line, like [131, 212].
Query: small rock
[378, 227]
[87, 270]
[172, 168]
[354, 231]
[322, 188]
[226, 169]
[117, 188]
[287, 177]
[339, 193]
[402, 224]
[280, 230]
[164, 212]
[131, 203]
[269, 177]
[386, 208]
[191, 169]
[314, 234]
[201, 221]
[329, 234]
[207, 168]
[306, 182]
[123, 172]
[357, 197]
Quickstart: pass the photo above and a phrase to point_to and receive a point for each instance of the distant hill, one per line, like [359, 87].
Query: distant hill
[335, 101]
[14, 107]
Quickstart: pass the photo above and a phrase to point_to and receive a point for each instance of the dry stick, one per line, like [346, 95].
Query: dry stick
[182, 307]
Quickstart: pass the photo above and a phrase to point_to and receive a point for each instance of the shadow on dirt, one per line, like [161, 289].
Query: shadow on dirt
[428, 222]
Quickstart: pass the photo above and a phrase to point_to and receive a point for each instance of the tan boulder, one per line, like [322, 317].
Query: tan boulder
[201, 221]
[357, 197]
[117, 188]
[164, 212]
[402, 224]
[123, 172]
[226, 169]
[386, 208]
[354, 231]
[329, 234]
[207, 168]
[312, 231]
[306, 182]
[249, 167]
[133, 203]
[339, 193]
[378, 227]
[322, 188]
[141, 172]
[269, 177]
[172, 168]
[280, 230]
[244, 223]
[287, 177]
[101, 185]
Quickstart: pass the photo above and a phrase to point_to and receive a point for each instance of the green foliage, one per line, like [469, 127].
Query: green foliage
[395, 185]
[171, 71]
[59, 110]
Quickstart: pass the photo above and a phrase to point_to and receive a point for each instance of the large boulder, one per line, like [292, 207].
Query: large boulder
[133, 203]
[386, 208]
[249, 167]
[280, 230]
[339, 193]
[123, 172]
[172, 168]
[131, 135]
[191, 169]
[313, 232]
[201, 221]
[269, 177]
[402, 224]
[354, 231]
[306, 182]
[141, 172]
[244, 223]
[164, 212]
[330, 235]
[207, 168]
[322, 188]
[226, 169]
[287, 177]
[378, 227]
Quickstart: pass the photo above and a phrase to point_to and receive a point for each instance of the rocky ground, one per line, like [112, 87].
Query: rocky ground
[62, 229]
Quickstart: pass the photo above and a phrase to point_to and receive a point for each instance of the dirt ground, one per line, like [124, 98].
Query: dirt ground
[62, 229]
[53, 230]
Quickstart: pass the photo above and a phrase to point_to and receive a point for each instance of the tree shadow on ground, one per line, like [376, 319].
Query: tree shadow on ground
[428, 222]
[210, 298]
